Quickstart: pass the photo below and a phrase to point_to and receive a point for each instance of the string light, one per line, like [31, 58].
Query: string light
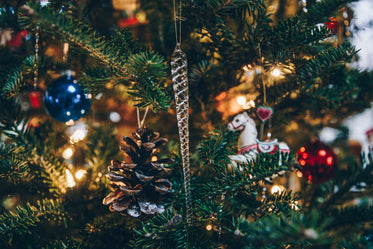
[70, 122]
[68, 153]
[209, 227]
[78, 135]
[249, 104]
[276, 72]
[114, 117]
[241, 100]
[80, 174]
[70, 179]
[277, 189]
[294, 205]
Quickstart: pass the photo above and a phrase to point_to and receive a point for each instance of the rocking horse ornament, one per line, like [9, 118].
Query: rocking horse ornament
[249, 145]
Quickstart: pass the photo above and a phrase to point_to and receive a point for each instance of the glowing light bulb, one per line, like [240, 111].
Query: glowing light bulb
[80, 174]
[44, 2]
[70, 122]
[70, 179]
[249, 104]
[322, 153]
[299, 174]
[209, 227]
[277, 189]
[241, 100]
[329, 161]
[141, 17]
[276, 72]
[114, 117]
[68, 153]
[294, 205]
[304, 155]
[77, 136]
[154, 158]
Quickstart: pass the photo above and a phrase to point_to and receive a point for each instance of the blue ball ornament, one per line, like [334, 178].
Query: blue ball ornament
[65, 100]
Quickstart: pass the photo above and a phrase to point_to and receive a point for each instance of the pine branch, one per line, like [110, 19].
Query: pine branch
[235, 8]
[216, 147]
[19, 221]
[15, 80]
[162, 231]
[23, 219]
[264, 166]
[94, 79]
[12, 163]
[54, 174]
[9, 19]
[13, 83]
[56, 245]
[149, 94]
[366, 169]
[50, 209]
[146, 65]
[145, 68]
[323, 61]
[279, 203]
[294, 229]
[356, 242]
[321, 11]
[78, 33]
[63, 245]
[347, 217]
[290, 35]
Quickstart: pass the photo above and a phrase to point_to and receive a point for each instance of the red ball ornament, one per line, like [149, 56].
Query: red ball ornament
[318, 162]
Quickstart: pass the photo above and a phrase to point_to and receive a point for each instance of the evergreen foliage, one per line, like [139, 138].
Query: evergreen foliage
[46, 205]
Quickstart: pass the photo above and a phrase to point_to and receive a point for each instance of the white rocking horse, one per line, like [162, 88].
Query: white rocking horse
[249, 145]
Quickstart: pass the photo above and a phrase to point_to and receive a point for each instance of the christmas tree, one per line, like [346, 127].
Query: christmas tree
[120, 122]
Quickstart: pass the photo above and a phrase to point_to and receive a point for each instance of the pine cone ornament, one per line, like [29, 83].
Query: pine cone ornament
[139, 185]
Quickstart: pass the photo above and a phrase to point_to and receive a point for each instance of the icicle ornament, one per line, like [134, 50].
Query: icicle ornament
[179, 72]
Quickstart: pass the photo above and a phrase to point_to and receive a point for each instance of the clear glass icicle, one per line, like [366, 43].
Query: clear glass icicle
[179, 72]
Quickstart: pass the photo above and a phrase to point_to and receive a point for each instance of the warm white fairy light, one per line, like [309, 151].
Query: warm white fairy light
[80, 174]
[299, 174]
[44, 3]
[114, 117]
[70, 122]
[78, 135]
[241, 100]
[277, 189]
[249, 104]
[294, 205]
[276, 72]
[209, 227]
[68, 153]
[70, 179]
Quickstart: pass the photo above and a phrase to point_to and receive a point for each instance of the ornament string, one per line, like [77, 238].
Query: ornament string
[264, 92]
[36, 61]
[177, 37]
[221, 206]
[179, 72]
[140, 124]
